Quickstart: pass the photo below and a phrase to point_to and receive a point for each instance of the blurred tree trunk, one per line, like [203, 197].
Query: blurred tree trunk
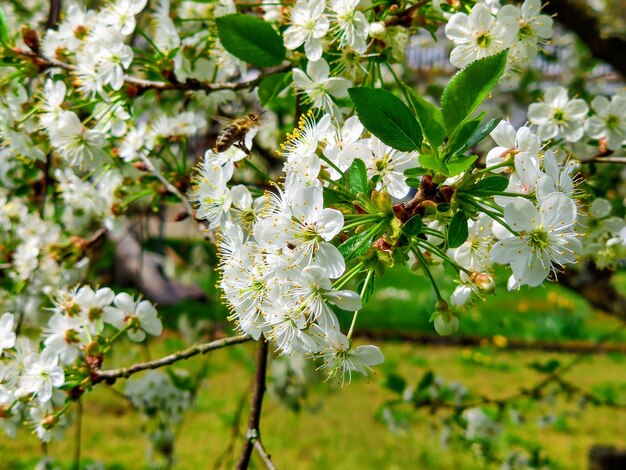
[579, 17]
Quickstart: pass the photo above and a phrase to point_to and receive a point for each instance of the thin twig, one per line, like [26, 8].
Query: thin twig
[234, 432]
[169, 186]
[202, 348]
[256, 404]
[267, 459]
[79, 429]
[532, 392]
[141, 83]
[618, 160]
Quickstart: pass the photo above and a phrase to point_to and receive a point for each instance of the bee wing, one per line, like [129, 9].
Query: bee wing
[223, 120]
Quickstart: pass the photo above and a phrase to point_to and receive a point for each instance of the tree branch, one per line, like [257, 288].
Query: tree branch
[254, 418]
[616, 160]
[267, 459]
[169, 186]
[111, 375]
[53, 16]
[190, 84]
[578, 17]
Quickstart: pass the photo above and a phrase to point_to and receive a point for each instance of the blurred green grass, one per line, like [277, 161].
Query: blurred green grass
[339, 428]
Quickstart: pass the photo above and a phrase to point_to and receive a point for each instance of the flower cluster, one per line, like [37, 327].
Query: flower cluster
[488, 30]
[83, 326]
[560, 117]
[282, 271]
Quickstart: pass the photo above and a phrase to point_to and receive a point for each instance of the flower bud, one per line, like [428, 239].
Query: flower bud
[484, 282]
[377, 30]
[49, 421]
[600, 208]
[446, 322]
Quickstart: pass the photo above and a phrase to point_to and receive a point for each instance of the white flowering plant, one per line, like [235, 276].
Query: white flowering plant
[341, 168]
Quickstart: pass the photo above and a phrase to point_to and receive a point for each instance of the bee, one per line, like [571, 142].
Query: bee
[234, 133]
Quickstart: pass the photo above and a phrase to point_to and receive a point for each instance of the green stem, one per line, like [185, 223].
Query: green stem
[338, 187]
[494, 215]
[331, 164]
[347, 276]
[428, 273]
[494, 167]
[368, 277]
[398, 82]
[113, 338]
[150, 41]
[261, 173]
[360, 222]
[136, 197]
[426, 244]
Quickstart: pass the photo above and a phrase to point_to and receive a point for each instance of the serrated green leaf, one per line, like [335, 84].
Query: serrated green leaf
[4, 30]
[357, 177]
[460, 164]
[387, 117]
[413, 226]
[469, 87]
[432, 163]
[483, 132]
[457, 231]
[355, 246]
[251, 39]
[490, 184]
[272, 85]
[429, 117]
[458, 142]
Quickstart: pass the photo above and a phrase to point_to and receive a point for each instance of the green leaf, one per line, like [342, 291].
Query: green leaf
[4, 30]
[491, 184]
[547, 367]
[272, 85]
[355, 246]
[395, 383]
[477, 134]
[429, 117]
[457, 231]
[483, 132]
[426, 381]
[432, 163]
[460, 164]
[357, 177]
[332, 196]
[387, 117]
[469, 87]
[413, 182]
[415, 172]
[251, 39]
[413, 226]
[458, 142]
